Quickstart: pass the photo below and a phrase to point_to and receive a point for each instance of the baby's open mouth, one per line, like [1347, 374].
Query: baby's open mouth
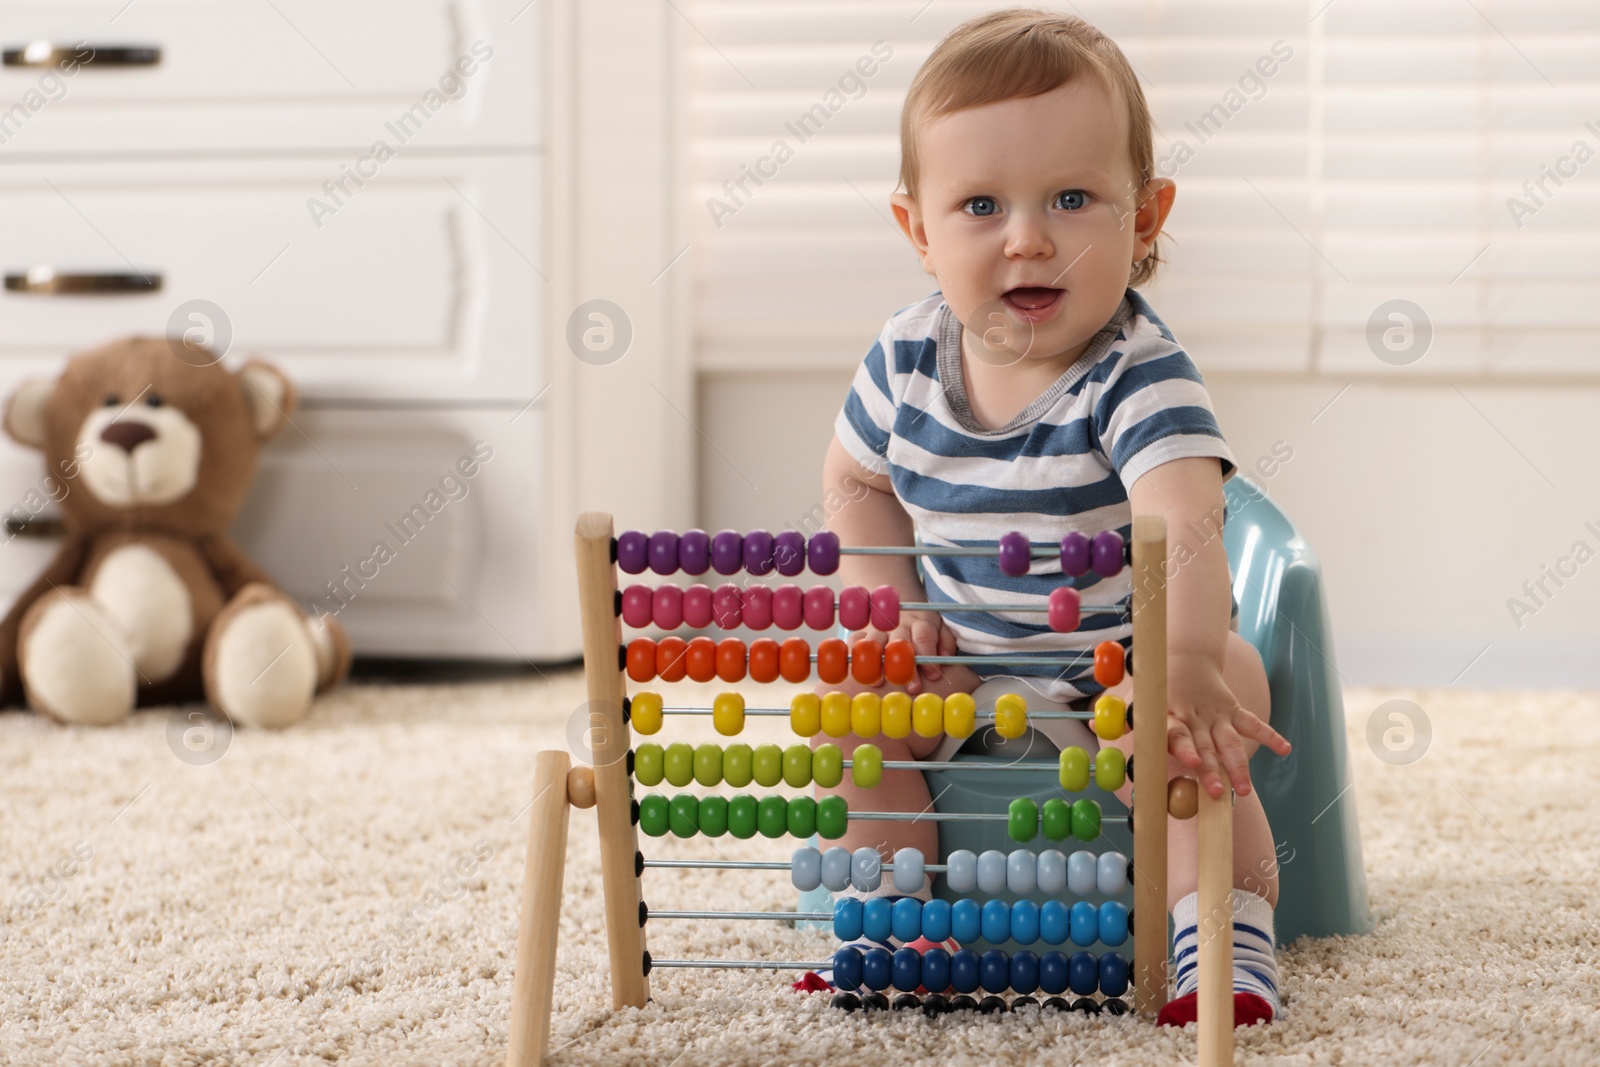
[1033, 298]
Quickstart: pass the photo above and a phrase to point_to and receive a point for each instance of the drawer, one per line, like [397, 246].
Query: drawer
[241, 75]
[421, 284]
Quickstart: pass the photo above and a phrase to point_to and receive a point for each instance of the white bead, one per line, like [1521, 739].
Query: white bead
[961, 871]
[866, 869]
[836, 869]
[908, 876]
[1022, 871]
[992, 872]
[1113, 873]
[1052, 872]
[805, 869]
[1081, 873]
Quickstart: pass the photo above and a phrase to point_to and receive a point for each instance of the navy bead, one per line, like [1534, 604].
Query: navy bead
[757, 552]
[905, 919]
[966, 920]
[847, 968]
[964, 971]
[877, 968]
[1113, 974]
[1083, 973]
[1024, 922]
[727, 552]
[936, 920]
[1052, 972]
[664, 552]
[996, 922]
[1024, 971]
[1054, 922]
[1015, 554]
[936, 970]
[877, 923]
[633, 551]
[907, 968]
[994, 971]
[694, 552]
[847, 918]
[788, 552]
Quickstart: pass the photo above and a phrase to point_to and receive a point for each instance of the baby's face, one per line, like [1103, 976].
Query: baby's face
[1028, 216]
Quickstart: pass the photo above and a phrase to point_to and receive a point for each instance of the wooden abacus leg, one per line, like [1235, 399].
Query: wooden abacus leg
[1215, 934]
[533, 983]
[1150, 750]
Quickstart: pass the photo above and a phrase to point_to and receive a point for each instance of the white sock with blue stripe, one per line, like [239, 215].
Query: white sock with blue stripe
[1255, 964]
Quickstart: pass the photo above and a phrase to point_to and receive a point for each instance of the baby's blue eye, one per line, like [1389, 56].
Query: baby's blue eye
[1074, 199]
[982, 206]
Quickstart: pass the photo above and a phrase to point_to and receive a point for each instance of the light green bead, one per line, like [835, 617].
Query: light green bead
[736, 765]
[647, 769]
[1110, 768]
[866, 766]
[1074, 769]
[797, 766]
[767, 764]
[678, 763]
[827, 765]
[708, 764]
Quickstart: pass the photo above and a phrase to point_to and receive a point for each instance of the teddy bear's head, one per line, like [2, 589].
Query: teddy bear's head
[151, 432]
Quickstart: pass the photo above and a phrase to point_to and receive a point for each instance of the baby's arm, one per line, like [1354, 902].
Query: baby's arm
[1205, 720]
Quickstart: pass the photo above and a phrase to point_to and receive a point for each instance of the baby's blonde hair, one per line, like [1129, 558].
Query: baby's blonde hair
[1017, 53]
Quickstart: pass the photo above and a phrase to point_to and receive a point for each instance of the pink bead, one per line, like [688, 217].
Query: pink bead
[727, 606]
[788, 607]
[1064, 602]
[819, 607]
[636, 601]
[886, 607]
[697, 606]
[855, 608]
[757, 607]
[666, 607]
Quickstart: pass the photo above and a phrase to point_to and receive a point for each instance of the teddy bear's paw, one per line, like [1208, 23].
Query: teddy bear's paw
[261, 665]
[75, 666]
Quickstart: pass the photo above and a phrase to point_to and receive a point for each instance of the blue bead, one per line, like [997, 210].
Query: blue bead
[1024, 922]
[877, 966]
[1083, 974]
[966, 922]
[936, 970]
[994, 971]
[1113, 922]
[906, 919]
[1113, 974]
[907, 967]
[847, 918]
[1054, 922]
[876, 920]
[1052, 973]
[1085, 924]
[964, 971]
[936, 921]
[996, 922]
[1024, 972]
[847, 968]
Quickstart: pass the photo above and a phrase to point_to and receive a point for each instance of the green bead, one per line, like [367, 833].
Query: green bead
[1110, 769]
[713, 816]
[684, 815]
[736, 760]
[742, 816]
[1057, 819]
[1074, 769]
[797, 766]
[708, 764]
[802, 817]
[832, 816]
[647, 764]
[772, 815]
[653, 814]
[678, 763]
[1085, 820]
[767, 764]
[866, 766]
[827, 765]
[1022, 822]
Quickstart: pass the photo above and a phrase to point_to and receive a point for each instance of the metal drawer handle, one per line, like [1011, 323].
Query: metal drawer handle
[50, 54]
[47, 281]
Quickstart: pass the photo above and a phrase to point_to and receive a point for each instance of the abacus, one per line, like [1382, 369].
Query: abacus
[861, 977]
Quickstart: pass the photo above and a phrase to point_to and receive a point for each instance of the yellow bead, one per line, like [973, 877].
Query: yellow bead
[805, 714]
[866, 715]
[836, 714]
[1074, 769]
[727, 714]
[1110, 717]
[644, 712]
[1110, 768]
[896, 714]
[1011, 715]
[960, 715]
[927, 715]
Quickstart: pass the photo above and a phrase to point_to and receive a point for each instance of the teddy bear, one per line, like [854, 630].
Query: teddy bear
[154, 443]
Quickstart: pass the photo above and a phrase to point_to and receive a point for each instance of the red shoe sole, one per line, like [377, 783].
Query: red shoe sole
[1248, 1010]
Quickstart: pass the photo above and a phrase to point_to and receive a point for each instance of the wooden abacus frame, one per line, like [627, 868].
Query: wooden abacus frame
[605, 786]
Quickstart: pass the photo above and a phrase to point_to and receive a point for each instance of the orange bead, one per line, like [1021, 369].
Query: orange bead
[900, 661]
[764, 660]
[702, 659]
[641, 659]
[1108, 663]
[866, 661]
[670, 663]
[730, 659]
[794, 660]
[833, 660]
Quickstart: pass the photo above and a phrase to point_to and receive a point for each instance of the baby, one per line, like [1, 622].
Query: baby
[1037, 391]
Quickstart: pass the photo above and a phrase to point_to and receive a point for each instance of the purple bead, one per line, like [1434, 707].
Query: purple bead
[823, 552]
[758, 552]
[727, 552]
[789, 552]
[1106, 552]
[633, 551]
[664, 552]
[1015, 554]
[694, 552]
[1074, 554]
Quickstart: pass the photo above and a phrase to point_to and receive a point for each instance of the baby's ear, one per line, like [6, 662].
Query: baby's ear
[269, 395]
[25, 412]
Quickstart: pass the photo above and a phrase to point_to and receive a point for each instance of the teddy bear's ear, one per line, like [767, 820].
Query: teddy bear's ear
[270, 396]
[25, 412]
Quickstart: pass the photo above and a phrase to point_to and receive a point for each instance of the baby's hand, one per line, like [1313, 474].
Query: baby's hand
[928, 635]
[1205, 721]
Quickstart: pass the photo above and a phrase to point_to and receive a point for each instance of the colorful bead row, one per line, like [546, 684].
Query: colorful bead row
[1021, 871]
[787, 607]
[1104, 554]
[899, 715]
[995, 921]
[757, 552]
[966, 971]
[742, 816]
[796, 766]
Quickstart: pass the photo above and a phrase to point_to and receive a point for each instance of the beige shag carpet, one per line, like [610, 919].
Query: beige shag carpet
[347, 891]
